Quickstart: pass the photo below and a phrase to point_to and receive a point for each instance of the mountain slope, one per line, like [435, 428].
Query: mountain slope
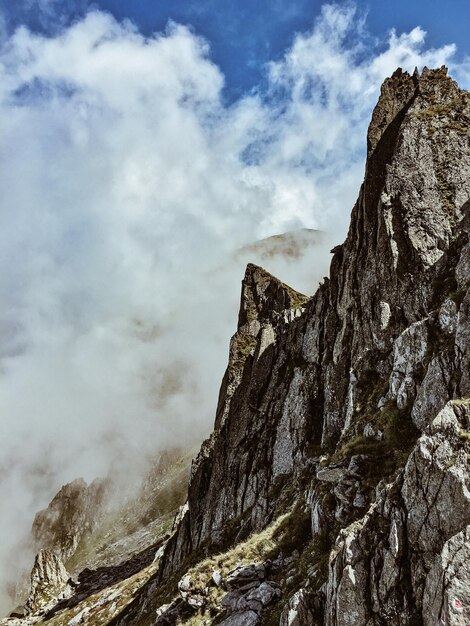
[335, 488]
[339, 396]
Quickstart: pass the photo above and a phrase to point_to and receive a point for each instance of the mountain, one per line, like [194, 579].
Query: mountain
[291, 244]
[335, 488]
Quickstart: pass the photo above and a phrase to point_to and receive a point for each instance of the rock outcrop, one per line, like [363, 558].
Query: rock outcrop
[335, 489]
[73, 513]
[49, 582]
[405, 561]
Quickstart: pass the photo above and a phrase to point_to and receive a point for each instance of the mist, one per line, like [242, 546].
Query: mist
[129, 186]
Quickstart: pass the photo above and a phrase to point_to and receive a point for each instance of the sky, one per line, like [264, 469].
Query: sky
[246, 34]
[144, 144]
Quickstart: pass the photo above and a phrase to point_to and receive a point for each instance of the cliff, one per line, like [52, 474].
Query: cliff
[335, 488]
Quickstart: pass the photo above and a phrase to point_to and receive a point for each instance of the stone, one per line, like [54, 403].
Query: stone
[433, 393]
[331, 474]
[447, 317]
[264, 593]
[245, 574]
[372, 433]
[297, 611]
[184, 584]
[462, 271]
[49, 581]
[241, 618]
[408, 352]
[447, 588]
[385, 315]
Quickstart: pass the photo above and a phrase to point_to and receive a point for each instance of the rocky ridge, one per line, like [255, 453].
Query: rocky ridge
[335, 488]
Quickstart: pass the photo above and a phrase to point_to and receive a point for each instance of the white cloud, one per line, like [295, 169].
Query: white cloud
[127, 184]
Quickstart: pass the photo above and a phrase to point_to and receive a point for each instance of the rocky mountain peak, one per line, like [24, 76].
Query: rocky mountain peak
[264, 296]
[266, 305]
[72, 513]
[335, 488]
[418, 165]
[395, 93]
[343, 392]
[400, 90]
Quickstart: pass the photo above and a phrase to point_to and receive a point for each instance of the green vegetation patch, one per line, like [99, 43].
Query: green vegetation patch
[383, 456]
[245, 344]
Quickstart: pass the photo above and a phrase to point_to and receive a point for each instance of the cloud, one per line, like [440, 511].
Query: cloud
[128, 184]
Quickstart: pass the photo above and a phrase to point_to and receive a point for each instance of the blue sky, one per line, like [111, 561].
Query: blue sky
[245, 35]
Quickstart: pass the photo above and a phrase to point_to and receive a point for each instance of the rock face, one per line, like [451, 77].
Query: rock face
[361, 369]
[266, 303]
[340, 454]
[49, 582]
[404, 561]
[73, 512]
[408, 230]
[108, 550]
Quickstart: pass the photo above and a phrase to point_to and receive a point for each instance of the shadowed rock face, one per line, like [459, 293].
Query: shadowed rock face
[349, 409]
[265, 304]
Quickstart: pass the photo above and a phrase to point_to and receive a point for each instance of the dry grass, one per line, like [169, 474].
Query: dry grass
[285, 534]
[258, 547]
[461, 402]
[103, 610]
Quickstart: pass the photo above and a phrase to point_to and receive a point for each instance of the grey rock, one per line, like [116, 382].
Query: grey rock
[448, 316]
[242, 618]
[368, 562]
[307, 376]
[73, 512]
[331, 474]
[297, 611]
[230, 600]
[184, 584]
[372, 433]
[265, 593]
[409, 350]
[433, 393]
[356, 464]
[447, 589]
[462, 271]
[360, 501]
[49, 582]
[244, 574]
[217, 577]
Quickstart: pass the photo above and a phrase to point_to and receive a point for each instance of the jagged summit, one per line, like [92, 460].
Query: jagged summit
[266, 303]
[400, 90]
[263, 296]
[335, 488]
